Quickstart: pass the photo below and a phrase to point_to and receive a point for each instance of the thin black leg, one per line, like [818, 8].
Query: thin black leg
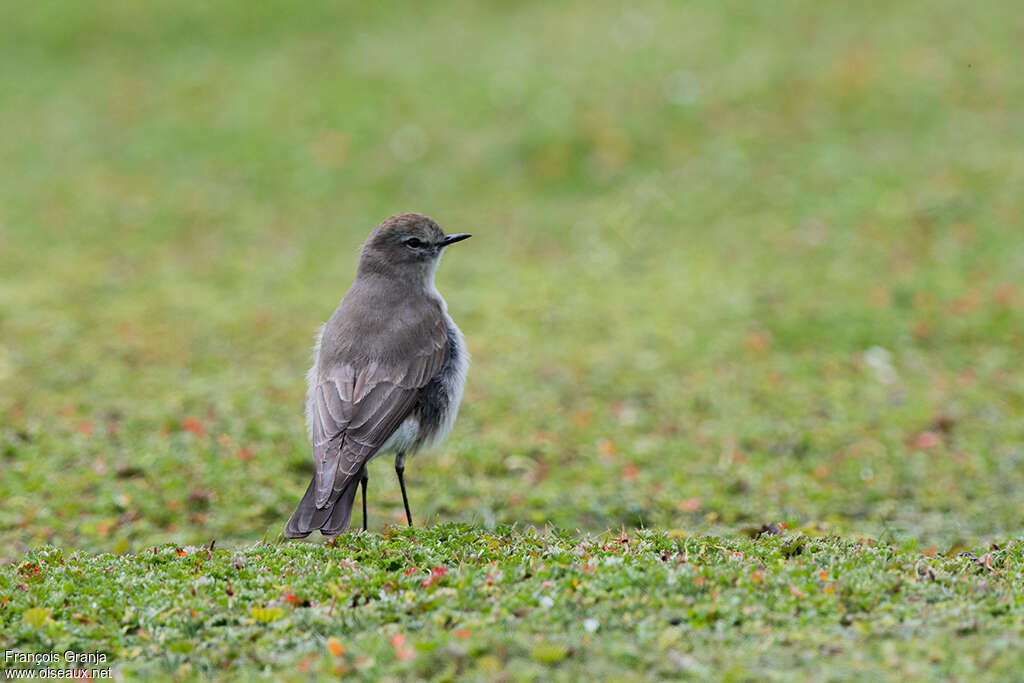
[400, 470]
[365, 478]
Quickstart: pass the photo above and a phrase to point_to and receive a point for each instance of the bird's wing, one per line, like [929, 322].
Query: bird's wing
[357, 409]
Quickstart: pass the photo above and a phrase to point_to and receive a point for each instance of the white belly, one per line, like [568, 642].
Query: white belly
[403, 438]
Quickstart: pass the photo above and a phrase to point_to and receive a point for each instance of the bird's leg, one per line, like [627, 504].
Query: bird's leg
[400, 470]
[365, 478]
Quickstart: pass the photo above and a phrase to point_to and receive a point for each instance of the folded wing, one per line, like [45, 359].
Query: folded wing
[358, 408]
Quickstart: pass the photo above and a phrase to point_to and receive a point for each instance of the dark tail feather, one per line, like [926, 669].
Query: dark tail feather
[331, 520]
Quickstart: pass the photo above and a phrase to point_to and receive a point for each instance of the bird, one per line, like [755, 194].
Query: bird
[389, 369]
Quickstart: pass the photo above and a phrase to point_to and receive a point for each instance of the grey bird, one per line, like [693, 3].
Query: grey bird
[388, 372]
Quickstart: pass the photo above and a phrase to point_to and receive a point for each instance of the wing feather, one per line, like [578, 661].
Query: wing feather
[359, 405]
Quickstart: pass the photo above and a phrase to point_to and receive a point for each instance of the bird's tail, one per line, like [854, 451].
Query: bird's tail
[332, 519]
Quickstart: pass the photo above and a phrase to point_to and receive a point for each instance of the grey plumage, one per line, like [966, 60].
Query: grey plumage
[388, 372]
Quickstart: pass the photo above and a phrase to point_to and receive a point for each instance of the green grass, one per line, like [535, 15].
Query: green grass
[732, 265]
[459, 602]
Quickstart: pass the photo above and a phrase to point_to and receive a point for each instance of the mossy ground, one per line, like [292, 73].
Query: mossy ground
[458, 602]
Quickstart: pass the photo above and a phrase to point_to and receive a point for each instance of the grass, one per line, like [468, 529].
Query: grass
[456, 601]
[732, 265]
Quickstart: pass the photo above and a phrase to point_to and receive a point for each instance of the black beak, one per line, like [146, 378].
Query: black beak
[452, 239]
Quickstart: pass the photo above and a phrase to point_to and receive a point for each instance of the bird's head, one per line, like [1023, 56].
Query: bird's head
[406, 246]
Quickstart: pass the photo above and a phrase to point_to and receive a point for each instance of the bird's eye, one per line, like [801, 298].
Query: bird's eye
[414, 243]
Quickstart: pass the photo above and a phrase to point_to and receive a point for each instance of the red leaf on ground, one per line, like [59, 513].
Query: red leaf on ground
[191, 424]
[689, 505]
[402, 651]
[435, 575]
[926, 440]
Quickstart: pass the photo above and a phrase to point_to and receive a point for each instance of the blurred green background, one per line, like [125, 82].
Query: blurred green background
[733, 263]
